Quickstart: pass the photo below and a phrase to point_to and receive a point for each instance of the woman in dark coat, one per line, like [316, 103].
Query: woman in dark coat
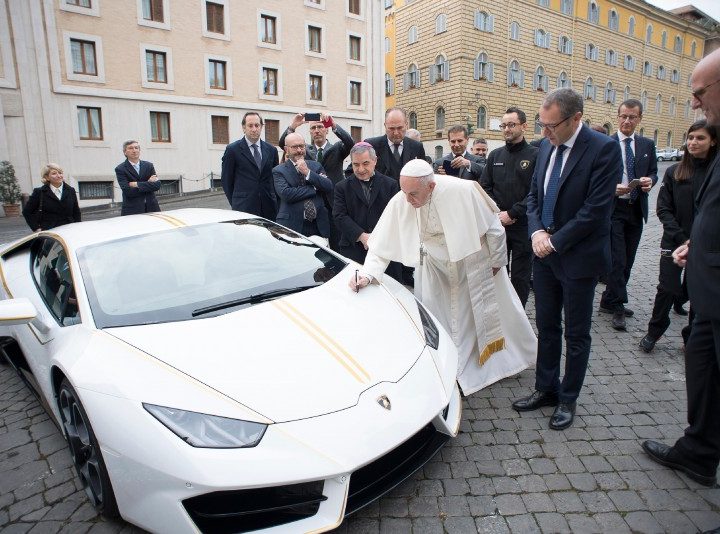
[54, 203]
[676, 211]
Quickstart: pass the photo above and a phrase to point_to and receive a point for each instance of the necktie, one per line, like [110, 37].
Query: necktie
[309, 211]
[630, 167]
[319, 155]
[256, 155]
[552, 189]
[396, 151]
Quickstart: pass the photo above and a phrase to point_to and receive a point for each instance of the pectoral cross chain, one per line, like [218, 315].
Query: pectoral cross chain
[423, 253]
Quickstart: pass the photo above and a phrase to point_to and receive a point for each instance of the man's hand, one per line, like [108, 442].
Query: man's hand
[362, 281]
[132, 184]
[297, 121]
[646, 184]
[505, 219]
[680, 254]
[153, 178]
[302, 167]
[364, 239]
[440, 170]
[541, 244]
[459, 162]
[621, 190]
[324, 117]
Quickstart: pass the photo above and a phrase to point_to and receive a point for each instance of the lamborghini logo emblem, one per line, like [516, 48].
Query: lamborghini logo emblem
[524, 164]
[384, 402]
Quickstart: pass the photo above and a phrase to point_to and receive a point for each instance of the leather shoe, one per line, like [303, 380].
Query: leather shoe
[627, 311]
[618, 321]
[677, 308]
[538, 399]
[713, 531]
[666, 455]
[563, 415]
[647, 344]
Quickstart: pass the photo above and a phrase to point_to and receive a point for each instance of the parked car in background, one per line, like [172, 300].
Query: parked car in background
[668, 154]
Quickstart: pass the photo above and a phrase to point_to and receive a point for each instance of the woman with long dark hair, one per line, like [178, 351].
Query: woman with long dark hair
[54, 203]
[676, 211]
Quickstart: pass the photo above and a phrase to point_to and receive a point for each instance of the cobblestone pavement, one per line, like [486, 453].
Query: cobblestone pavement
[505, 472]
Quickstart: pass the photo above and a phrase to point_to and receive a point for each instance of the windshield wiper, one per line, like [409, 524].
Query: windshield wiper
[252, 299]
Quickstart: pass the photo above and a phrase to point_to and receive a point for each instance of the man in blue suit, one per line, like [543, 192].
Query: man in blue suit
[138, 182]
[631, 209]
[568, 211]
[301, 185]
[247, 171]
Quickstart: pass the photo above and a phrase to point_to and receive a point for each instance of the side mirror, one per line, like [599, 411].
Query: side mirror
[16, 311]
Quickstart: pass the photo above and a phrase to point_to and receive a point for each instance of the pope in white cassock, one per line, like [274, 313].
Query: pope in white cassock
[448, 229]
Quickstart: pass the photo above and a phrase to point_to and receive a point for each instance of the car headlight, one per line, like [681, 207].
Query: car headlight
[208, 431]
[432, 334]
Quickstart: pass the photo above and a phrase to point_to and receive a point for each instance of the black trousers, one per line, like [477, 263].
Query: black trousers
[555, 293]
[519, 251]
[671, 288]
[626, 230]
[701, 442]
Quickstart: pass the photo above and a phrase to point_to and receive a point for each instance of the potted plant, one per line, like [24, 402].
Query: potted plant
[9, 190]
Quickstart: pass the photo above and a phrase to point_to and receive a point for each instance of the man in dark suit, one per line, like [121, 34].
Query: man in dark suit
[631, 209]
[359, 201]
[329, 155]
[697, 452]
[480, 149]
[138, 182]
[467, 165]
[568, 210]
[300, 185]
[247, 171]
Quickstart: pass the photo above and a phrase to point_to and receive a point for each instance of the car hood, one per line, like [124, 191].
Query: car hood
[296, 357]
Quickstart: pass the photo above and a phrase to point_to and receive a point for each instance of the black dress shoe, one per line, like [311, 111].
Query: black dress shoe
[563, 415]
[627, 311]
[618, 321]
[647, 344]
[666, 455]
[714, 531]
[677, 308]
[538, 399]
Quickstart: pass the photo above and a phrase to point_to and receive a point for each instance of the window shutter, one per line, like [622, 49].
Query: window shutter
[522, 78]
[560, 44]
[476, 74]
[546, 83]
[157, 10]
[490, 72]
[548, 39]
[509, 76]
[587, 51]
[431, 74]
[406, 81]
[594, 93]
[490, 23]
[570, 46]
[446, 73]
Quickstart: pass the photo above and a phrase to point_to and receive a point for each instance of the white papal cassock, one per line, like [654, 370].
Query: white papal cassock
[463, 238]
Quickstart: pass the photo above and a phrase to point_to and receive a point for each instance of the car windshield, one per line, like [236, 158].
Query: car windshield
[199, 271]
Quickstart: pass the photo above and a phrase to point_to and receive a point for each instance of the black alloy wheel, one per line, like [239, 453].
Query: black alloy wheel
[85, 451]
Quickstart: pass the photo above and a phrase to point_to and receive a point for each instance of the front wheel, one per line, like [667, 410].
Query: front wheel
[660, 158]
[85, 451]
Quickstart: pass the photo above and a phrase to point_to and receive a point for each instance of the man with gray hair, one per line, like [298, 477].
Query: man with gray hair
[460, 162]
[359, 201]
[138, 182]
[449, 231]
[568, 210]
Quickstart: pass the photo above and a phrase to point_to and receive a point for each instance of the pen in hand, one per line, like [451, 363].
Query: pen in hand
[357, 287]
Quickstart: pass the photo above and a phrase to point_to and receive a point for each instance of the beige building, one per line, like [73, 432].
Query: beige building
[466, 61]
[79, 77]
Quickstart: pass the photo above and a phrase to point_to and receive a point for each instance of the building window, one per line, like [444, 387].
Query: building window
[669, 139]
[658, 104]
[543, 3]
[663, 39]
[589, 91]
[270, 81]
[647, 68]
[516, 77]
[565, 45]
[441, 23]
[678, 45]
[648, 33]
[644, 100]
[626, 93]
[220, 125]
[611, 58]
[591, 52]
[215, 17]
[388, 46]
[675, 76]
[412, 35]
[79, 3]
[481, 122]
[613, 21]
[95, 190]
[515, 31]
[83, 57]
[440, 118]
[216, 74]
[316, 87]
[356, 93]
[540, 80]
[90, 123]
[411, 78]
[483, 21]
[268, 25]
[631, 26]
[155, 66]
[389, 85]
[566, 7]
[440, 70]
[314, 39]
[272, 131]
[356, 133]
[355, 46]
[609, 93]
[593, 12]
[160, 126]
[693, 49]
[655, 137]
[388, 4]
[483, 69]
[538, 129]
[688, 107]
[629, 63]
[671, 107]
[563, 80]
[153, 10]
[354, 7]
[661, 72]
[542, 38]
[412, 120]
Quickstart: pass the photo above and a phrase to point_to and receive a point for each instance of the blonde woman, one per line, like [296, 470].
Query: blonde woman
[52, 204]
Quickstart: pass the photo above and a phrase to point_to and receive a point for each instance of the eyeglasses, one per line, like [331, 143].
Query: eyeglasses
[631, 118]
[700, 92]
[296, 147]
[551, 127]
[510, 125]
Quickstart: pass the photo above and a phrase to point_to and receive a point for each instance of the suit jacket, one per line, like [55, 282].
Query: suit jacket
[333, 155]
[473, 173]
[354, 214]
[246, 187]
[386, 163]
[54, 212]
[293, 189]
[581, 226]
[645, 165]
[703, 266]
[140, 199]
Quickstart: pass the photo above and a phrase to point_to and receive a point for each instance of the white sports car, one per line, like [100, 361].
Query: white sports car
[213, 371]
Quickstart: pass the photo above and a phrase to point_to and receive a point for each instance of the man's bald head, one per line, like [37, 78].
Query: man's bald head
[705, 83]
[294, 146]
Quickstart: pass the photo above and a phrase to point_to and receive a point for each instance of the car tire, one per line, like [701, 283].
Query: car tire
[660, 158]
[85, 451]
